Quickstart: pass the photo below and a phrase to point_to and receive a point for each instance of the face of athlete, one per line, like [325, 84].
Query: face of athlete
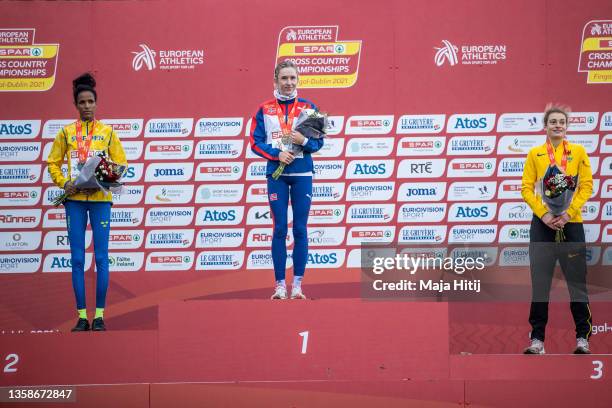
[556, 127]
[86, 105]
[287, 81]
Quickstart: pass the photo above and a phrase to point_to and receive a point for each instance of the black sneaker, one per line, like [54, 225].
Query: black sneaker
[82, 325]
[97, 324]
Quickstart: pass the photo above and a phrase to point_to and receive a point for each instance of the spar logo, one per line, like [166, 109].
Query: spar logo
[166, 59]
[162, 150]
[474, 54]
[323, 61]
[257, 193]
[595, 57]
[509, 189]
[125, 128]
[369, 125]
[471, 167]
[169, 261]
[219, 172]
[54, 218]
[218, 216]
[421, 146]
[421, 191]
[326, 214]
[374, 234]
[125, 239]
[583, 121]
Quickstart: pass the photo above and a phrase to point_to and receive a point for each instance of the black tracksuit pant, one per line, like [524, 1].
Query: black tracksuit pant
[572, 259]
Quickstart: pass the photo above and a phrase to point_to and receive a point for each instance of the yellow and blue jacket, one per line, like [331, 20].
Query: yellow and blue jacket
[577, 164]
[104, 139]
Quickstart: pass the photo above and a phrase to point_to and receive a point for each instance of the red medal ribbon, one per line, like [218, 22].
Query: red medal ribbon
[286, 127]
[84, 145]
[551, 154]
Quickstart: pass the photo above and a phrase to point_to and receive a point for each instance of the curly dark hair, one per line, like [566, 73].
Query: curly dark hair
[84, 82]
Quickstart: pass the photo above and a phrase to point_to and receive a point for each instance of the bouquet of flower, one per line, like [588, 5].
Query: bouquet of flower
[313, 125]
[98, 172]
[557, 192]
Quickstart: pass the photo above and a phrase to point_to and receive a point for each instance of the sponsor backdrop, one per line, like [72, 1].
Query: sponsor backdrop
[433, 110]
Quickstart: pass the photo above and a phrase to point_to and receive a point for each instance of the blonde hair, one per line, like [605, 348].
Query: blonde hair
[556, 108]
[284, 64]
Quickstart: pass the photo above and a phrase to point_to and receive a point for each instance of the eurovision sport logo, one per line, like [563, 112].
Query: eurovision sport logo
[24, 65]
[595, 56]
[323, 60]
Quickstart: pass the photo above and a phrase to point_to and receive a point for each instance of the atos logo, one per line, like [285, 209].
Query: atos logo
[214, 215]
[365, 169]
[467, 123]
[484, 212]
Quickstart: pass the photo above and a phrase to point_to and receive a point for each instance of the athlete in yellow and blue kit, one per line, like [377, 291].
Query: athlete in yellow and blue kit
[544, 251]
[76, 142]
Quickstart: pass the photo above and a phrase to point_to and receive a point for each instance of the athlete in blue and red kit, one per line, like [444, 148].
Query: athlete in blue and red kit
[272, 133]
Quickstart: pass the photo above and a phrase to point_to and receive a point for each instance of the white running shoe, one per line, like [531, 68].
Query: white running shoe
[537, 347]
[280, 292]
[296, 293]
[582, 346]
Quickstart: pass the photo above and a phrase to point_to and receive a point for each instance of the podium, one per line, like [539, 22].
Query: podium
[294, 353]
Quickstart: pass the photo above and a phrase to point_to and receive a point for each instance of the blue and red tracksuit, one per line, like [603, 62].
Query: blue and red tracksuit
[295, 183]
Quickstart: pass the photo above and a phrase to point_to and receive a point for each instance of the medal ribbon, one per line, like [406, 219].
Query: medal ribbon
[551, 154]
[84, 145]
[286, 127]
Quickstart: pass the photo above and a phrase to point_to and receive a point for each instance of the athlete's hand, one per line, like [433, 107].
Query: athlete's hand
[69, 188]
[550, 221]
[285, 157]
[297, 138]
[561, 220]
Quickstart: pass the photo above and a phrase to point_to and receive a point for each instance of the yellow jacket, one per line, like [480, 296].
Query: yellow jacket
[65, 147]
[577, 164]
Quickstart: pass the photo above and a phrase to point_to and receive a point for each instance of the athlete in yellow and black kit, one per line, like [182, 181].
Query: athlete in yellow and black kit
[76, 142]
[574, 161]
